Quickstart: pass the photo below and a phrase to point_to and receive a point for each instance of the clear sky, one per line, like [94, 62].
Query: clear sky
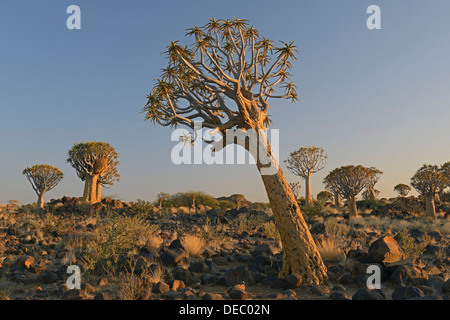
[371, 97]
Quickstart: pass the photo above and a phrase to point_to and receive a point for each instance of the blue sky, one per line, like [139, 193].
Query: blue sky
[377, 98]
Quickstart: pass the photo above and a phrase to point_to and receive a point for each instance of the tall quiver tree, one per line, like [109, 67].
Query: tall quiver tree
[96, 164]
[43, 178]
[428, 181]
[348, 181]
[304, 162]
[374, 177]
[225, 80]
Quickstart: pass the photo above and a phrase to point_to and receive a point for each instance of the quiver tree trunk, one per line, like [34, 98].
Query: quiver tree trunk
[337, 200]
[300, 254]
[40, 202]
[99, 191]
[308, 196]
[353, 208]
[430, 209]
[373, 195]
[437, 198]
[91, 185]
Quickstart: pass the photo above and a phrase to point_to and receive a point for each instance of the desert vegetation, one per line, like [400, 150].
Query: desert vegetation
[137, 250]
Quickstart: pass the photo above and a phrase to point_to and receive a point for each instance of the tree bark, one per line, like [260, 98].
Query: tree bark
[99, 192]
[300, 254]
[337, 200]
[308, 196]
[430, 209]
[90, 194]
[353, 209]
[437, 198]
[373, 195]
[40, 202]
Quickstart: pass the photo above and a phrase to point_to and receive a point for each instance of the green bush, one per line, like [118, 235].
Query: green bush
[324, 196]
[224, 204]
[312, 210]
[409, 245]
[185, 199]
[142, 207]
[372, 204]
[259, 206]
[118, 234]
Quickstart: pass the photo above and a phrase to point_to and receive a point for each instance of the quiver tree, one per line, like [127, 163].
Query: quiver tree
[225, 79]
[402, 189]
[96, 164]
[428, 181]
[43, 178]
[295, 187]
[348, 181]
[371, 193]
[161, 198]
[324, 196]
[304, 162]
[445, 169]
[335, 191]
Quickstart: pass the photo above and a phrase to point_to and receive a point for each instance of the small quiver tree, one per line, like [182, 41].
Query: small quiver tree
[348, 181]
[445, 169]
[304, 162]
[43, 178]
[428, 181]
[295, 187]
[374, 177]
[96, 164]
[335, 191]
[324, 196]
[402, 189]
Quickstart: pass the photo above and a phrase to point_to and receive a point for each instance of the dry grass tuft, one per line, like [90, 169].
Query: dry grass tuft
[330, 251]
[193, 245]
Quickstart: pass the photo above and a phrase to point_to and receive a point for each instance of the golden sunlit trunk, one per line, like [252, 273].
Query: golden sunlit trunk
[40, 202]
[430, 209]
[300, 254]
[91, 194]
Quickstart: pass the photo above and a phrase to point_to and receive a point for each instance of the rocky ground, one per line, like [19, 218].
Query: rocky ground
[136, 251]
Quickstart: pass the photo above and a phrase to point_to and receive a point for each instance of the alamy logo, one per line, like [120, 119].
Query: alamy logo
[374, 21]
[74, 281]
[220, 148]
[74, 20]
[374, 281]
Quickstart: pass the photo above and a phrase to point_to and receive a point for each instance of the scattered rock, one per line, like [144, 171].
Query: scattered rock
[176, 285]
[212, 296]
[102, 296]
[74, 294]
[161, 287]
[103, 282]
[385, 250]
[294, 281]
[238, 292]
[409, 275]
[403, 293]
[320, 290]
[366, 294]
[446, 287]
[48, 277]
[339, 296]
[25, 262]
